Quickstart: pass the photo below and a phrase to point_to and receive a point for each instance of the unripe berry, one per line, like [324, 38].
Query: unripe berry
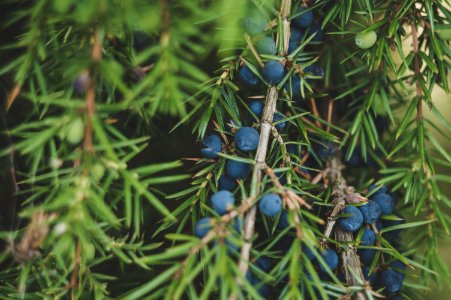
[331, 259]
[237, 169]
[222, 201]
[202, 227]
[211, 145]
[75, 131]
[273, 72]
[353, 222]
[247, 76]
[254, 23]
[371, 212]
[98, 170]
[266, 45]
[270, 204]
[246, 139]
[226, 183]
[365, 40]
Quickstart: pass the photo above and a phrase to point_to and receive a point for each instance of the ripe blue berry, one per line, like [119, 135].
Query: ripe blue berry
[356, 159]
[226, 183]
[254, 23]
[353, 222]
[391, 281]
[270, 204]
[237, 169]
[366, 255]
[393, 234]
[305, 19]
[378, 189]
[293, 87]
[257, 109]
[308, 252]
[247, 76]
[246, 139]
[314, 70]
[278, 117]
[296, 36]
[283, 221]
[273, 72]
[326, 149]
[370, 277]
[293, 149]
[211, 145]
[331, 259]
[266, 45]
[264, 263]
[371, 212]
[81, 83]
[202, 227]
[368, 237]
[386, 203]
[317, 31]
[222, 201]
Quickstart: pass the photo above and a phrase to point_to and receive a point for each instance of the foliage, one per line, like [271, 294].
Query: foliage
[117, 65]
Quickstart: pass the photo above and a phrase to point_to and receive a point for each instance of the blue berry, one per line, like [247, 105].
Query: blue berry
[283, 221]
[331, 259]
[353, 222]
[211, 145]
[308, 252]
[391, 281]
[270, 204]
[293, 149]
[305, 19]
[266, 45]
[378, 189]
[356, 159]
[370, 277]
[257, 109]
[254, 23]
[273, 72]
[247, 76]
[315, 70]
[222, 201]
[278, 117]
[246, 139]
[368, 237]
[326, 149]
[296, 37]
[237, 169]
[393, 234]
[226, 183]
[293, 87]
[81, 83]
[317, 31]
[371, 212]
[263, 263]
[386, 203]
[202, 227]
[366, 255]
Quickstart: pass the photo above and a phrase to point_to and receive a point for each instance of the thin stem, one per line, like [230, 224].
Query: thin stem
[260, 156]
[416, 63]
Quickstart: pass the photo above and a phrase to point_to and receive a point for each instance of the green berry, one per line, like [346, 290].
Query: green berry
[75, 131]
[98, 170]
[365, 40]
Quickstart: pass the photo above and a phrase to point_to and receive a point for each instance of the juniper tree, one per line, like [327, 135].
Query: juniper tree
[318, 175]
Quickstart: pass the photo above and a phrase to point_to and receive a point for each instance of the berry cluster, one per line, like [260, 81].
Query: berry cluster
[232, 148]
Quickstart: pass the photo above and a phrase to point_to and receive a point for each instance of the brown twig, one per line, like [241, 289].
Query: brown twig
[351, 266]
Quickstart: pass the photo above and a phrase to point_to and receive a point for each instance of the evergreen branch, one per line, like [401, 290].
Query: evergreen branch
[419, 90]
[260, 158]
[350, 260]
